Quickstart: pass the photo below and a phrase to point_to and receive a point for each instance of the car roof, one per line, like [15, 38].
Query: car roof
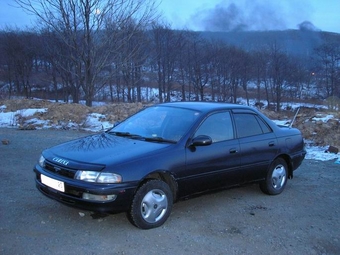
[205, 106]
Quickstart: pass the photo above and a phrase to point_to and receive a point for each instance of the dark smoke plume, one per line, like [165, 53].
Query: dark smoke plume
[307, 26]
[248, 15]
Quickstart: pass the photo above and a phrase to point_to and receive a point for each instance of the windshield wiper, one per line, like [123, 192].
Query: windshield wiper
[119, 133]
[126, 134]
[159, 139]
[148, 139]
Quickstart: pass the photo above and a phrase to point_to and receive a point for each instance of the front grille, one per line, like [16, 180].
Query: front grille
[60, 170]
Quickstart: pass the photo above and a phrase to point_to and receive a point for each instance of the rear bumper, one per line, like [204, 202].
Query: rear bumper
[297, 159]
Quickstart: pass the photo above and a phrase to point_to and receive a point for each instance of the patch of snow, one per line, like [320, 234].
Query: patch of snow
[10, 118]
[282, 122]
[40, 123]
[324, 118]
[2, 108]
[94, 122]
[7, 119]
[320, 153]
[30, 112]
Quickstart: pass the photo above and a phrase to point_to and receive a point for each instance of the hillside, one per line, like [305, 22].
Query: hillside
[296, 42]
[319, 127]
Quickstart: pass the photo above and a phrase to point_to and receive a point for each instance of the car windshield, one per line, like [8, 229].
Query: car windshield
[159, 123]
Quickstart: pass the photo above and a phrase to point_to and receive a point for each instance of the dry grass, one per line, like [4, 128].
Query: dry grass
[319, 132]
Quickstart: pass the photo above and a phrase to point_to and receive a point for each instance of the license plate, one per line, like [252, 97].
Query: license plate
[52, 183]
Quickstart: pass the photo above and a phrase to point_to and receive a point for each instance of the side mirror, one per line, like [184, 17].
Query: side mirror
[201, 140]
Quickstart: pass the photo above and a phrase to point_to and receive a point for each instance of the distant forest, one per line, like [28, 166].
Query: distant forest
[132, 62]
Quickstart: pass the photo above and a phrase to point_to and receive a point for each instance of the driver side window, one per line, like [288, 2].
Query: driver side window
[218, 126]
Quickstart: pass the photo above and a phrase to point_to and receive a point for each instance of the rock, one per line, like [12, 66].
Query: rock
[5, 142]
[27, 127]
[332, 149]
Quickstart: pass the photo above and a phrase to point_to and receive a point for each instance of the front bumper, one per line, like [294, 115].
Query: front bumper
[74, 190]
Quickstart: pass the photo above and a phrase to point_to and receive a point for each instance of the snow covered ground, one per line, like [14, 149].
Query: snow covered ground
[94, 123]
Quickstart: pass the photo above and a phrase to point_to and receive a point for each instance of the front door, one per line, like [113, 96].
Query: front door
[213, 165]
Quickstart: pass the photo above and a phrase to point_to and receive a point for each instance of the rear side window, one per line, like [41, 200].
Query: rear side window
[250, 124]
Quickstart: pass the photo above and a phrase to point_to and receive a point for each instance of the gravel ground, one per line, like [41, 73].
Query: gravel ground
[304, 219]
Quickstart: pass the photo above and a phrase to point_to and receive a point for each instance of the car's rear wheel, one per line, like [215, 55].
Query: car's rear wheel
[276, 179]
[151, 205]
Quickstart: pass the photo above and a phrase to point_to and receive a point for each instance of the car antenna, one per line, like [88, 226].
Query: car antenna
[297, 111]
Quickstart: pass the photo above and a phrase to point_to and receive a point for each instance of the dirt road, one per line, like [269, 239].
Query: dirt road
[304, 219]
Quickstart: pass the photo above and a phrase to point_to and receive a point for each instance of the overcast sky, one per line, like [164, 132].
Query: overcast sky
[252, 14]
[226, 15]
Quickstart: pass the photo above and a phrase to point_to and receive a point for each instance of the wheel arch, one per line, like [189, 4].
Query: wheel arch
[165, 177]
[288, 161]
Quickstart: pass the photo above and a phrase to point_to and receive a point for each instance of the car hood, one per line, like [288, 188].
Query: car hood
[97, 151]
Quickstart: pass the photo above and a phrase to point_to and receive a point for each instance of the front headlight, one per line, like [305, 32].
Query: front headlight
[99, 177]
[41, 161]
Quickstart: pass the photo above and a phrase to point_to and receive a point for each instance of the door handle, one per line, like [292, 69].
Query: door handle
[233, 150]
[271, 144]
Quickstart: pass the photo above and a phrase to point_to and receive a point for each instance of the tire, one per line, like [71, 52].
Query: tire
[151, 205]
[276, 179]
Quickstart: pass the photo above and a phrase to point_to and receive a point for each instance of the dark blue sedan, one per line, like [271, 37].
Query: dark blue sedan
[167, 152]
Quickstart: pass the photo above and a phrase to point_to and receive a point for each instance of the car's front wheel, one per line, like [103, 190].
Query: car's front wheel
[276, 179]
[151, 205]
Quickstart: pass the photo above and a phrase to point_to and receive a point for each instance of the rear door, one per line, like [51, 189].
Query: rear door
[258, 144]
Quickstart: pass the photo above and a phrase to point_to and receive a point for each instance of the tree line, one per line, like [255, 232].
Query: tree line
[118, 51]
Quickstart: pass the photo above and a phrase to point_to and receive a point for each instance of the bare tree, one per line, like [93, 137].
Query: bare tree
[7, 65]
[235, 66]
[298, 76]
[200, 68]
[246, 71]
[184, 64]
[131, 60]
[260, 62]
[278, 73]
[329, 56]
[20, 55]
[221, 79]
[167, 47]
[183, 38]
[92, 32]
